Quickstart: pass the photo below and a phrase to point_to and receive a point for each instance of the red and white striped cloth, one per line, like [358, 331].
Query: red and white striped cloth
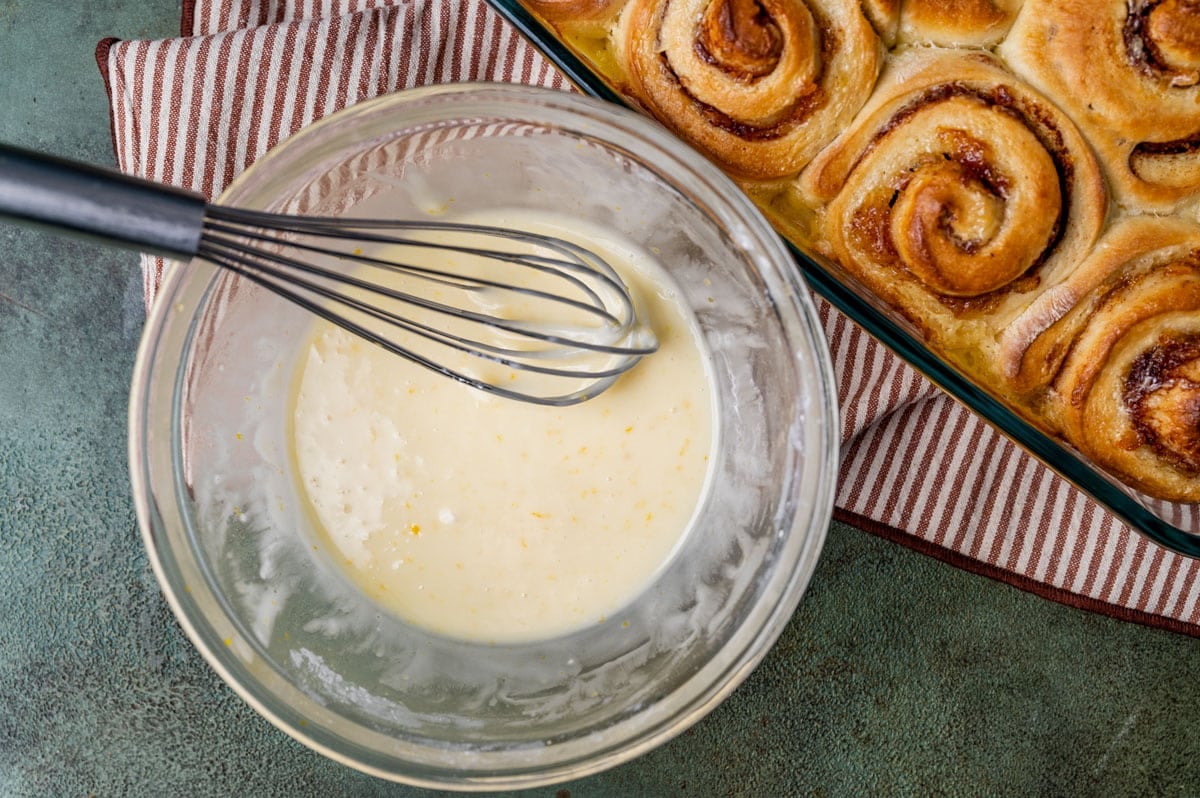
[917, 468]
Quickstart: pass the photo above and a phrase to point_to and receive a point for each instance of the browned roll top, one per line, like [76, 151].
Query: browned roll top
[758, 85]
[958, 200]
[947, 219]
[558, 11]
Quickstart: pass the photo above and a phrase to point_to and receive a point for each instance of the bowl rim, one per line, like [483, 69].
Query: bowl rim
[732, 667]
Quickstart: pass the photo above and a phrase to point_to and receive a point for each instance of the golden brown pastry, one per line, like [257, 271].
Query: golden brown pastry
[1128, 71]
[885, 17]
[947, 23]
[758, 85]
[959, 195]
[956, 23]
[558, 11]
[1126, 359]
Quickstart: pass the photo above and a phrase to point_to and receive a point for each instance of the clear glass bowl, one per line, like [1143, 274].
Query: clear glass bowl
[1171, 525]
[216, 493]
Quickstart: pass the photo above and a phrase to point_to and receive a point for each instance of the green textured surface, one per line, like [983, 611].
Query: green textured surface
[898, 675]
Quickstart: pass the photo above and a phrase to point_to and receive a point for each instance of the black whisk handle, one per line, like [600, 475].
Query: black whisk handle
[92, 201]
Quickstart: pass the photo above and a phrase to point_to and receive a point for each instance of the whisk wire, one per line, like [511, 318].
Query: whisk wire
[282, 290]
[351, 228]
[337, 286]
[449, 279]
[225, 254]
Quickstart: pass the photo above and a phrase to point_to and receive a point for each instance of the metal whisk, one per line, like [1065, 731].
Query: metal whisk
[517, 314]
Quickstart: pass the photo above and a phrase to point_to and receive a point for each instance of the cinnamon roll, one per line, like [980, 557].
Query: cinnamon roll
[758, 85]
[1128, 71]
[958, 195]
[1126, 390]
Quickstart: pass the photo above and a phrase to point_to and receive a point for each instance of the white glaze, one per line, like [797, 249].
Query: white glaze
[487, 519]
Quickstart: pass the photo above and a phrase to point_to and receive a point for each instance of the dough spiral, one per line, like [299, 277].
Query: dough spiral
[1128, 71]
[959, 200]
[1126, 390]
[758, 85]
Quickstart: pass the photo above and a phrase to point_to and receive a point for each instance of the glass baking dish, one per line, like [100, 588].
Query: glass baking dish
[1173, 526]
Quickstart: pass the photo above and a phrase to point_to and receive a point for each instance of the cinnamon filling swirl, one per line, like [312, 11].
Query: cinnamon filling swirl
[741, 37]
[800, 110]
[1162, 39]
[1162, 394]
[952, 218]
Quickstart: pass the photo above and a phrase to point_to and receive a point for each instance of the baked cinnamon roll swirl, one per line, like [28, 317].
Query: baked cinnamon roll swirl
[958, 195]
[1128, 71]
[758, 85]
[1127, 357]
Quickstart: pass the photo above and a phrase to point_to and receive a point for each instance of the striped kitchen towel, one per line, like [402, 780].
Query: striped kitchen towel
[917, 468]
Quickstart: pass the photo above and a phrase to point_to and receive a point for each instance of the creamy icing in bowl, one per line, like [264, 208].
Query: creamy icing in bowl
[231, 529]
[487, 519]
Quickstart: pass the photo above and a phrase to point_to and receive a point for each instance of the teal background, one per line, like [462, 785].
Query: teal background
[899, 675]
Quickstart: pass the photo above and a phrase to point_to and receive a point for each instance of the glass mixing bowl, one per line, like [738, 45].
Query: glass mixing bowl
[221, 515]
